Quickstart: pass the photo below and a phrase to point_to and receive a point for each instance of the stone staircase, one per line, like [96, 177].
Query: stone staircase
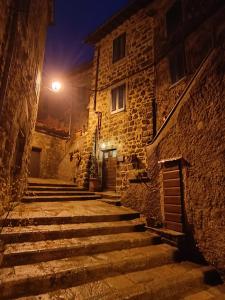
[63, 242]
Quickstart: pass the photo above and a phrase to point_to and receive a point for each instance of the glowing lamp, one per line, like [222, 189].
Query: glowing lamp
[56, 86]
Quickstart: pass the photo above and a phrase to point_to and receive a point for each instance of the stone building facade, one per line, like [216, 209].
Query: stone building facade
[185, 158]
[23, 27]
[120, 115]
[80, 87]
[157, 108]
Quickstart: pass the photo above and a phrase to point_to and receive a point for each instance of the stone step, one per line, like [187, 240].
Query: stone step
[158, 283]
[170, 236]
[32, 252]
[108, 195]
[47, 276]
[51, 184]
[48, 220]
[206, 293]
[27, 199]
[54, 188]
[58, 193]
[71, 212]
[51, 232]
[111, 201]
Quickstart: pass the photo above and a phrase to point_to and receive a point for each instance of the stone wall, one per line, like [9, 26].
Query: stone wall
[61, 158]
[4, 19]
[80, 86]
[22, 38]
[74, 160]
[52, 152]
[127, 131]
[196, 133]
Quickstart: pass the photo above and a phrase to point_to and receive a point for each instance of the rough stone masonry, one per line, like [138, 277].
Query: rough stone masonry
[22, 35]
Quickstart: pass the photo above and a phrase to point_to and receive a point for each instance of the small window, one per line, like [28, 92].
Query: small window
[174, 17]
[24, 9]
[119, 45]
[177, 64]
[118, 96]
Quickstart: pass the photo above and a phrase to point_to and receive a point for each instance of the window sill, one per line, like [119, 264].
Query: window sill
[114, 63]
[139, 180]
[173, 85]
[117, 111]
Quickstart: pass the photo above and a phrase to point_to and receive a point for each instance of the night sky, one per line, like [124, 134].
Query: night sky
[74, 20]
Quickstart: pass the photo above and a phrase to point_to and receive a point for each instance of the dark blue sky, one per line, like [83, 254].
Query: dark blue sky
[74, 20]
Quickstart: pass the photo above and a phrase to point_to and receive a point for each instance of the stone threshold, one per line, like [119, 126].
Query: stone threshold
[169, 236]
[32, 180]
[139, 180]
[108, 195]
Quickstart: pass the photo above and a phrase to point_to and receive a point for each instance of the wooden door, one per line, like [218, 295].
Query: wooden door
[109, 170]
[35, 162]
[173, 195]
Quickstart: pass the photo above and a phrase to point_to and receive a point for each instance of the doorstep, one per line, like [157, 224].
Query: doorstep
[108, 195]
[169, 236]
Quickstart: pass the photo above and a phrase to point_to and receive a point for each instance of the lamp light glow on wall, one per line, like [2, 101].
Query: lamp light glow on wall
[56, 86]
[103, 146]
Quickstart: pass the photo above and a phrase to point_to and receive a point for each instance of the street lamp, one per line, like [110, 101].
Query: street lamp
[56, 86]
[62, 89]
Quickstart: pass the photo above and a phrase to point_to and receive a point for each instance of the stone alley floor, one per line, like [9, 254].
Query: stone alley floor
[63, 242]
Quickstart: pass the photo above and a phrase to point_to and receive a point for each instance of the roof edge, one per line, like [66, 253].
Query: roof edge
[116, 20]
[80, 68]
[51, 12]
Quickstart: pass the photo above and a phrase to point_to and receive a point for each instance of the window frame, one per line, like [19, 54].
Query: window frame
[173, 56]
[170, 32]
[117, 87]
[24, 8]
[118, 52]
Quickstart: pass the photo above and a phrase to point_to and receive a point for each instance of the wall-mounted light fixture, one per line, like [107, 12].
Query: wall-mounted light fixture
[103, 146]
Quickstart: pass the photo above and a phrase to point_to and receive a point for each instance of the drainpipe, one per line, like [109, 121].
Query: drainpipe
[10, 50]
[154, 100]
[70, 119]
[96, 77]
[95, 97]
[154, 117]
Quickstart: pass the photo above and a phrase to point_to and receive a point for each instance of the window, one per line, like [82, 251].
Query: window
[174, 17]
[118, 96]
[177, 64]
[23, 9]
[119, 45]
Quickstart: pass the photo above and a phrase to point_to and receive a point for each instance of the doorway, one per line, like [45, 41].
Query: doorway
[109, 170]
[35, 160]
[173, 195]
